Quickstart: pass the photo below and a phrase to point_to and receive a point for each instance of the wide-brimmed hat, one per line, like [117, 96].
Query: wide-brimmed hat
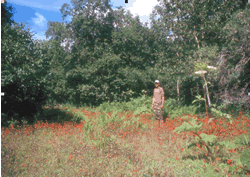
[157, 81]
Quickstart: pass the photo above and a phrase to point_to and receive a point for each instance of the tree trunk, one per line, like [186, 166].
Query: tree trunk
[198, 89]
[209, 103]
[205, 101]
[178, 91]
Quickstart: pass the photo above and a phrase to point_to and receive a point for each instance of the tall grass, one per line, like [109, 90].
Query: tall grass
[122, 139]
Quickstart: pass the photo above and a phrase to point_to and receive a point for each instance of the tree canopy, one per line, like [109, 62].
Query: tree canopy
[109, 53]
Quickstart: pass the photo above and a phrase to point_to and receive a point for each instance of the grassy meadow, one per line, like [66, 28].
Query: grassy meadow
[124, 139]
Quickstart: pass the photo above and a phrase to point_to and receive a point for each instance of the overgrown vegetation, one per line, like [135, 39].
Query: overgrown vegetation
[90, 95]
[111, 140]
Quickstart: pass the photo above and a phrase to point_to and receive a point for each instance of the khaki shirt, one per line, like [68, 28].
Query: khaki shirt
[158, 96]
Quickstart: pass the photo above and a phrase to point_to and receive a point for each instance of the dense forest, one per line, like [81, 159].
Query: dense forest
[110, 55]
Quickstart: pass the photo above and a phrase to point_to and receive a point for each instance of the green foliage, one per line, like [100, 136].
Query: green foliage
[6, 14]
[115, 56]
[223, 109]
[199, 35]
[208, 139]
[245, 155]
[23, 67]
[111, 48]
[173, 109]
[200, 66]
[171, 104]
[220, 114]
[141, 110]
[236, 47]
[141, 105]
[241, 141]
[198, 98]
[207, 56]
[104, 59]
[227, 144]
[190, 126]
[245, 158]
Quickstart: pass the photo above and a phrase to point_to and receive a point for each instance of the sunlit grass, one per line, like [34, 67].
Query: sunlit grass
[116, 143]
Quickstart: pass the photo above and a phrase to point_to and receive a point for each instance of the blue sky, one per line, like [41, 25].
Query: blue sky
[36, 13]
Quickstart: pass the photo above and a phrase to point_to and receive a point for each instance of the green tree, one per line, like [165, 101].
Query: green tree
[105, 59]
[6, 14]
[22, 69]
[195, 28]
[235, 73]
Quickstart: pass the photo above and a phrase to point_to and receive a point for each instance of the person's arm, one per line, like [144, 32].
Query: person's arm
[163, 98]
[153, 98]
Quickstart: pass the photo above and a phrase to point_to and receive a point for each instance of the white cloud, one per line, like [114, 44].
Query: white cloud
[142, 8]
[39, 20]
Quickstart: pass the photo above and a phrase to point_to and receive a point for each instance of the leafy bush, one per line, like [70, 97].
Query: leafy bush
[173, 109]
[245, 155]
[19, 101]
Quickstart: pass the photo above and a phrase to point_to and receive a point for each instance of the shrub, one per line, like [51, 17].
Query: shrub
[18, 102]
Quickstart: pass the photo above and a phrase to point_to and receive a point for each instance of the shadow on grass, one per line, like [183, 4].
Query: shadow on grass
[50, 115]
[199, 157]
[165, 117]
[54, 115]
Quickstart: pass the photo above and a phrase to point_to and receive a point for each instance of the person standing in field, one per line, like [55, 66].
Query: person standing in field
[158, 101]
